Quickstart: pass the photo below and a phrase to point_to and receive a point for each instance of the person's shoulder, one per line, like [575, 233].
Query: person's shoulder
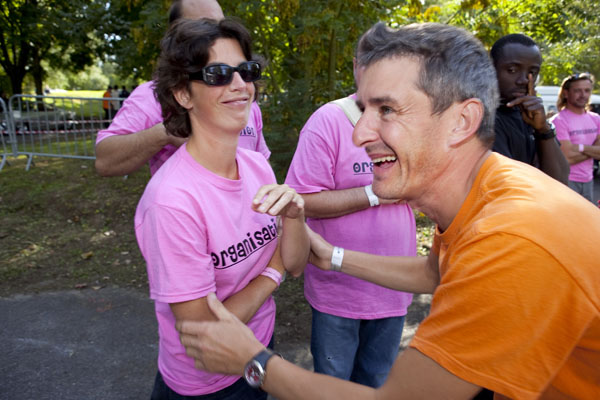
[251, 156]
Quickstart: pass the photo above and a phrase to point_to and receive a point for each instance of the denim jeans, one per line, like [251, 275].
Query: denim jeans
[240, 390]
[361, 351]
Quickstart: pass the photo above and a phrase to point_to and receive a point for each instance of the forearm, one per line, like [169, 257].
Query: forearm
[284, 380]
[335, 203]
[572, 153]
[295, 245]
[592, 151]
[245, 303]
[406, 274]
[124, 154]
[552, 160]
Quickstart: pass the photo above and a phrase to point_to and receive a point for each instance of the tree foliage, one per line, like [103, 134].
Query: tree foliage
[54, 31]
[308, 45]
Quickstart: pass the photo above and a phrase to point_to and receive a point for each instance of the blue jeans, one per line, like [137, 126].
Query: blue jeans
[240, 390]
[361, 351]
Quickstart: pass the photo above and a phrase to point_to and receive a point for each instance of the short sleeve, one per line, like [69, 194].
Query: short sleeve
[261, 144]
[139, 111]
[562, 131]
[175, 249]
[313, 166]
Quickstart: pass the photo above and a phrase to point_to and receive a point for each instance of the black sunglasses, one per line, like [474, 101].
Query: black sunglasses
[222, 74]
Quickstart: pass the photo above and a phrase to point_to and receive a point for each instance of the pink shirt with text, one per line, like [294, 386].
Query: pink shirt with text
[326, 159]
[578, 129]
[198, 234]
[142, 111]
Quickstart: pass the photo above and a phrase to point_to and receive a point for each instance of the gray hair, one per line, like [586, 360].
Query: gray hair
[455, 65]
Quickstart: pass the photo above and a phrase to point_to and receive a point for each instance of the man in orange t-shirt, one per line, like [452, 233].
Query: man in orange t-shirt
[514, 266]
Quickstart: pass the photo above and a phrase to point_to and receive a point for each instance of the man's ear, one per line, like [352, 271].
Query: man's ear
[467, 119]
[183, 97]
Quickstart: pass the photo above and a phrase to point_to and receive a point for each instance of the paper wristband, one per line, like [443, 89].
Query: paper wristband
[336, 259]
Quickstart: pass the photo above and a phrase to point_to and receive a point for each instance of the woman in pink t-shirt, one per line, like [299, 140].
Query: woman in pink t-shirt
[207, 219]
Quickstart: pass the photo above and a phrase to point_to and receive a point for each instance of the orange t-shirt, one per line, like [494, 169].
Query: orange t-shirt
[105, 102]
[517, 309]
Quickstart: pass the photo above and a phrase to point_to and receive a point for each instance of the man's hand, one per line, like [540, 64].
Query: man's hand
[224, 346]
[320, 251]
[532, 108]
[277, 199]
[174, 140]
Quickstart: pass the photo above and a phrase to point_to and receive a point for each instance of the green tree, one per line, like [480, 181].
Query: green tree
[36, 31]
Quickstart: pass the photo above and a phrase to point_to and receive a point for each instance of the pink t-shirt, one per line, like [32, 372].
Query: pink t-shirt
[141, 111]
[578, 129]
[198, 234]
[326, 159]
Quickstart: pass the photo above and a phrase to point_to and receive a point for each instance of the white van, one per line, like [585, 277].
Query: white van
[549, 95]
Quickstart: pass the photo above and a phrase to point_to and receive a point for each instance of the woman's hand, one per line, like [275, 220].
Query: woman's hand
[277, 199]
[320, 251]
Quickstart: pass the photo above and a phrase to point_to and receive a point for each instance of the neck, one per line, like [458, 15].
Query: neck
[215, 152]
[445, 196]
[576, 110]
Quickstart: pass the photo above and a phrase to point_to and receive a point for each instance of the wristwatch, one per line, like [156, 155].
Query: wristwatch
[549, 134]
[256, 369]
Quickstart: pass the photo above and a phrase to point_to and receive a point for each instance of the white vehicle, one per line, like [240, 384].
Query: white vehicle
[549, 95]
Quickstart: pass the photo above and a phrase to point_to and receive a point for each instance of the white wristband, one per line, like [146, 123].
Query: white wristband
[373, 200]
[336, 259]
[580, 148]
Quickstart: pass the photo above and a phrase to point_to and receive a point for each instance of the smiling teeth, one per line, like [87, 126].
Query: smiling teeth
[383, 159]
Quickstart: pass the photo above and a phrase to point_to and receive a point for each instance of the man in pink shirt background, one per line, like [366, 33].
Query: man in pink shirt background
[578, 130]
[356, 325]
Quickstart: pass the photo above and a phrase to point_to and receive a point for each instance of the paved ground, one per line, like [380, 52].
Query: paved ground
[96, 345]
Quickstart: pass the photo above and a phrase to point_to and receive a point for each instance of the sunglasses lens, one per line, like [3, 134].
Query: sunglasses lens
[249, 71]
[217, 75]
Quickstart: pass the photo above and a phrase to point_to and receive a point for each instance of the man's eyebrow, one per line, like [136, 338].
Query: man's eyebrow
[376, 101]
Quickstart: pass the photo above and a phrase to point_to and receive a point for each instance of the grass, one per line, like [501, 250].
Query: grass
[64, 227]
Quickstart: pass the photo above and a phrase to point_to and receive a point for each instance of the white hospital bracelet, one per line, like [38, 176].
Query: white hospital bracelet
[336, 259]
[580, 148]
[373, 200]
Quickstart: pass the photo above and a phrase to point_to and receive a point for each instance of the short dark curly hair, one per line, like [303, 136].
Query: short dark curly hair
[185, 50]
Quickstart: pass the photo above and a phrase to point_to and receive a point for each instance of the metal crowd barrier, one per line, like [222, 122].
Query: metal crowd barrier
[52, 126]
[5, 151]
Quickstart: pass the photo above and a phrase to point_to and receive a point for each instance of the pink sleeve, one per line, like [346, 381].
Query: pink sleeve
[313, 167]
[562, 133]
[261, 144]
[139, 111]
[175, 249]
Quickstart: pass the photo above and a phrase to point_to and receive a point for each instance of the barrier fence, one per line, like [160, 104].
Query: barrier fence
[52, 126]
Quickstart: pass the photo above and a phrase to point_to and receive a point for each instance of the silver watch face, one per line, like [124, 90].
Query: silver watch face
[254, 374]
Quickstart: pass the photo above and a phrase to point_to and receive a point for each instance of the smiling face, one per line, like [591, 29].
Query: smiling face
[578, 94]
[515, 62]
[398, 131]
[220, 108]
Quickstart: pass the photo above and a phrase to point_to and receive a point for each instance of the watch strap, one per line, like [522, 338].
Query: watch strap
[256, 368]
[548, 134]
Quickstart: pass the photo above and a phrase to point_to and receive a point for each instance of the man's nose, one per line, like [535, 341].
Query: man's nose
[364, 131]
